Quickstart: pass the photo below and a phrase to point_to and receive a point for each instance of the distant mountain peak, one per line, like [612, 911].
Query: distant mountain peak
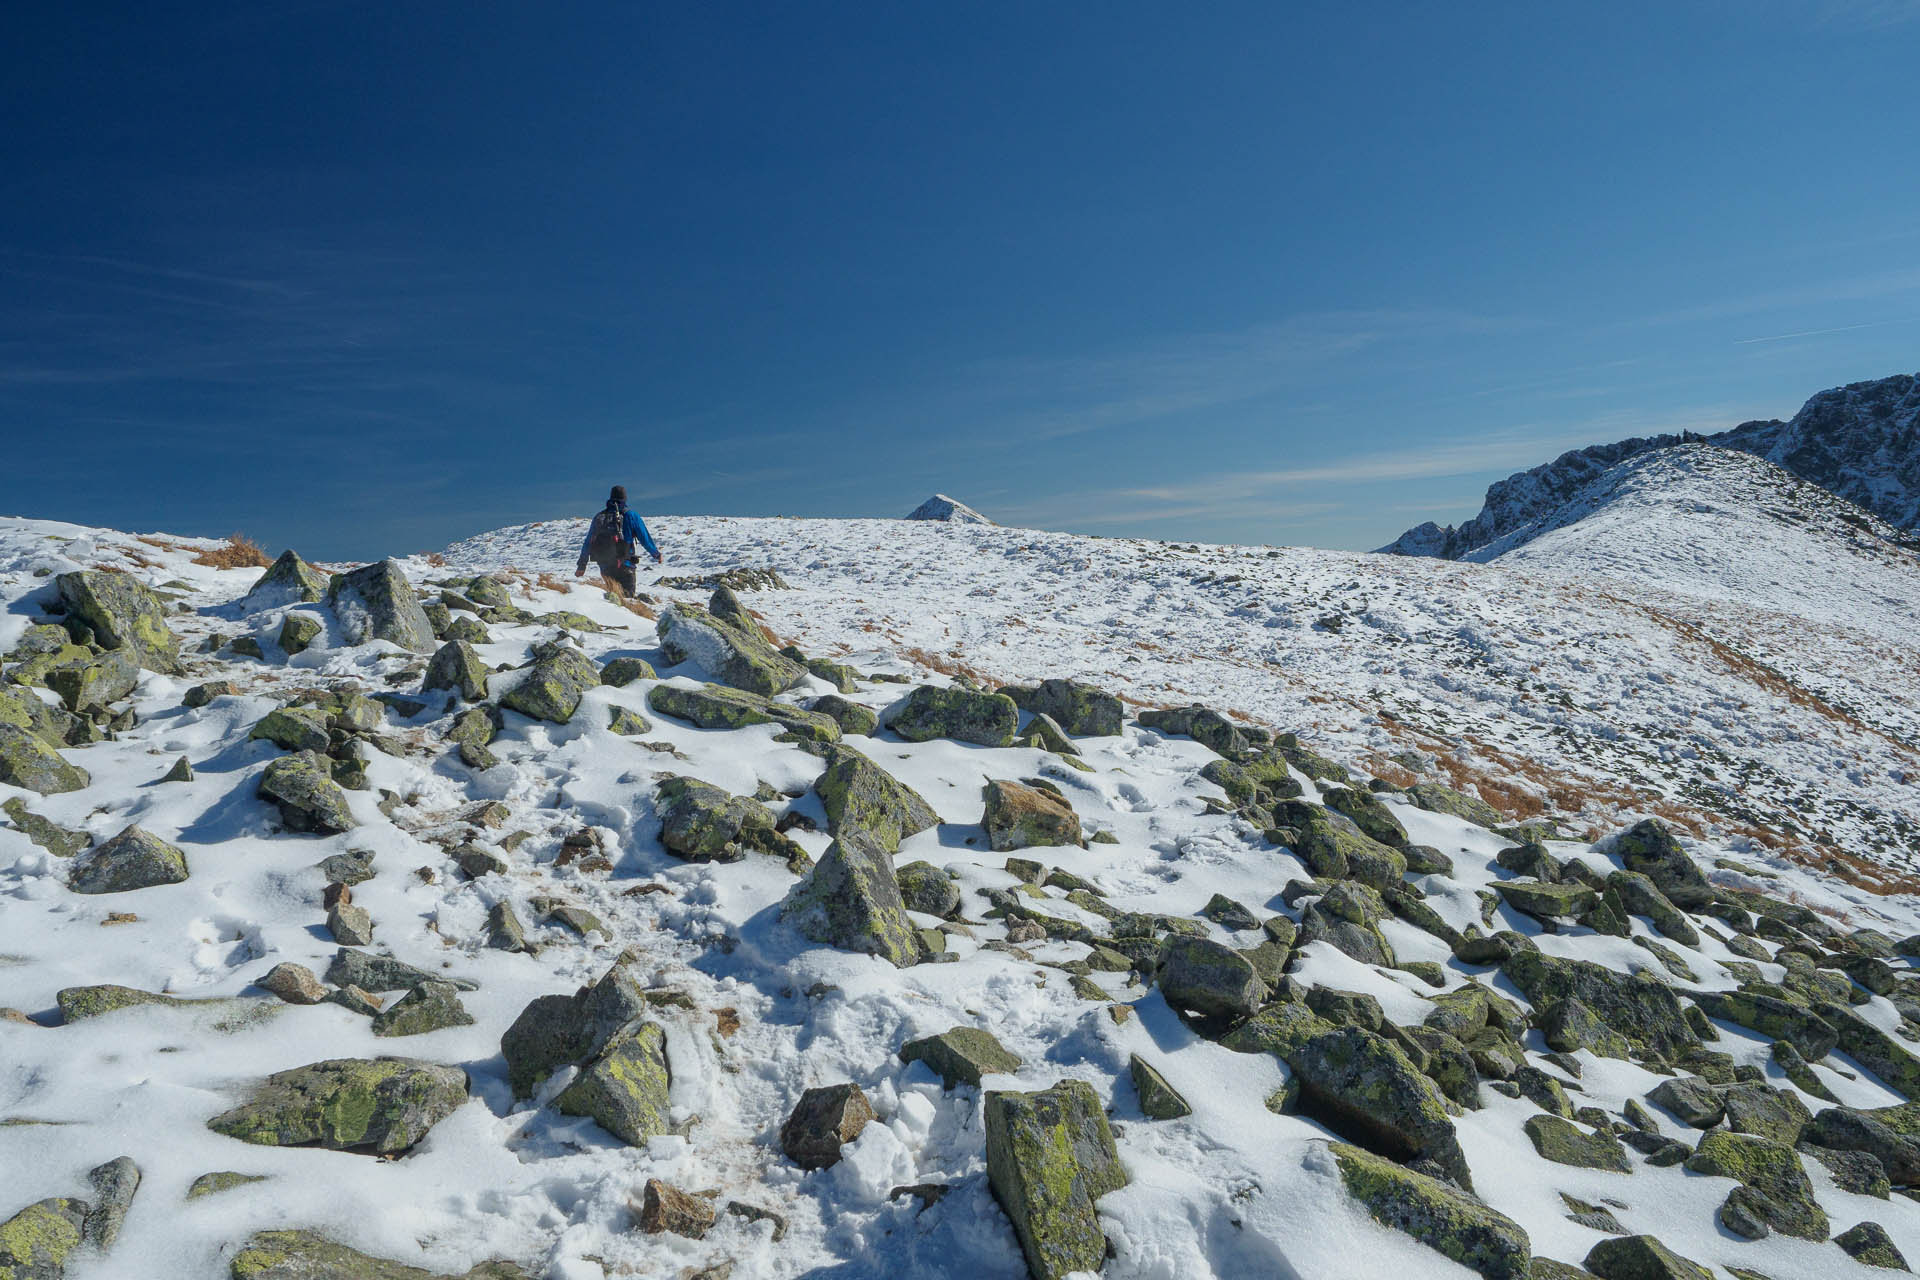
[1860, 442]
[950, 510]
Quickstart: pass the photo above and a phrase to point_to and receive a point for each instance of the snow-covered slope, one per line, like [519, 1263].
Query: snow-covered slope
[1860, 442]
[1593, 703]
[948, 510]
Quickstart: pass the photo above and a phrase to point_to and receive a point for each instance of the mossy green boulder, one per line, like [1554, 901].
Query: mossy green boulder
[1203, 725]
[1565, 1142]
[298, 632]
[623, 671]
[28, 762]
[559, 1030]
[79, 1003]
[301, 786]
[1771, 1168]
[1641, 1258]
[928, 889]
[1638, 1007]
[1368, 812]
[850, 716]
[725, 642]
[715, 706]
[1649, 848]
[552, 687]
[704, 823]
[1437, 1214]
[1436, 798]
[23, 710]
[1334, 848]
[850, 900]
[36, 1242]
[51, 836]
[94, 683]
[1364, 1087]
[859, 795]
[961, 715]
[1158, 1099]
[431, 1006]
[961, 1055]
[624, 1088]
[457, 666]
[1050, 1157]
[1774, 1017]
[293, 729]
[379, 1106]
[1079, 709]
[306, 1255]
[134, 859]
[375, 602]
[1018, 816]
[1548, 901]
[1208, 978]
[288, 580]
[122, 614]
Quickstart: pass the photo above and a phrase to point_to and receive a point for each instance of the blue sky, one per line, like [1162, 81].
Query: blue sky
[366, 278]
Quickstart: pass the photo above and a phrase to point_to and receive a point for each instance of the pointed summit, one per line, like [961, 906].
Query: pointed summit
[941, 507]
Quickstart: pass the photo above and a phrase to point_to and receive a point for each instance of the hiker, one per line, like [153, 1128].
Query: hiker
[611, 539]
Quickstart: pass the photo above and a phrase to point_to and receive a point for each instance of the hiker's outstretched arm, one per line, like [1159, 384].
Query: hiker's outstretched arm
[638, 528]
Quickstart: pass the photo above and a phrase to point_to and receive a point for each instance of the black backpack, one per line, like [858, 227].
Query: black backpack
[604, 543]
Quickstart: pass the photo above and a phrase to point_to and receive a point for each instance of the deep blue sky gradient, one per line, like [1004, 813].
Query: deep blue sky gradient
[366, 278]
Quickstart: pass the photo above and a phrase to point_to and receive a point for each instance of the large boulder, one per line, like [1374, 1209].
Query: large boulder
[26, 760]
[715, 706]
[1020, 817]
[1844, 1129]
[928, 889]
[1874, 1049]
[1437, 1214]
[293, 729]
[36, 1242]
[95, 682]
[825, 1120]
[1773, 1169]
[1050, 1157]
[624, 1087]
[1368, 812]
[850, 900]
[305, 1255]
[1640, 1008]
[1207, 727]
[1641, 1258]
[704, 823]
[122, 614]
[376, 1106]
[552, 687]
[23, 709]
[557, 1031]
[1208, 978]
[1079, 709]
[458, 667]
[1334, 848]
[716, 641]
[1347, 916]
[961, 1055]
[963, 715]
[859, 795]
[1649, 848]
[376, 602]
[1436, 798]
[287, 581]
[134, 859]
[1365, 1088]
[1641, 897]
[1773, 1017]
[301, 786]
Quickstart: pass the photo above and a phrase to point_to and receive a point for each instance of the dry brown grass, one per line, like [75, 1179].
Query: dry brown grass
[949, 665]
[437, 560]
[237, 552]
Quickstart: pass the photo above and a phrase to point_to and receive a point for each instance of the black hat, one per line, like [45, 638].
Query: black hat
[619, 494]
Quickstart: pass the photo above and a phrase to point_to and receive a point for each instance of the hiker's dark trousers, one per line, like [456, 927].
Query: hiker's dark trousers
[625, 576]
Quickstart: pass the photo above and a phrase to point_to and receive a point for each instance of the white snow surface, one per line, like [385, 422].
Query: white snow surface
[1610, 689]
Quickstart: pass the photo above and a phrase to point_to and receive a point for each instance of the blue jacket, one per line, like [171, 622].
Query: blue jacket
[632, 529]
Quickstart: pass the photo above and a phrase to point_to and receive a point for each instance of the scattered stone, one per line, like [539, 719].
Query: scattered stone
[350, 926]
[1439, 1215]
[182, 771]
[1079, 709]
[1050, 1157]
[1650, 849]
[1869, 1244]
[625, 1086]
[504, 930]
[1692, 1100]
[208, 1184]
[754, 1213]
[114, 1185]
[134, 859]
[703, 823]
[298, 631]
[457, 666]
[1641, 1258]
[1228, 914]
[36, 1242]
[1564, 1142]
[963, 715]
[1773, 1018]
[1639, 1009]
[52, 837]
[851, 717]
[1023, 817]
[1158, 1099]
[95, 682]
[301, 786]
[304, 1255]
[428, 1007]
[851, 900]
[1365, 1088]
[961, 1055]
[1208, 978]
[370, 972]
[825, 1120]
[1436, 798]
[375, 602]
[664, 1207]
[1771, 1168]
[927, 889]
[858, 794]
[288, 580]
[294, 983]
[377, 1107]
[553, 686]
[28, 762]
[715, 706]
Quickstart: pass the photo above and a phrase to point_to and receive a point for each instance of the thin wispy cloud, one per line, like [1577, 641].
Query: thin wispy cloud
[1816, 333]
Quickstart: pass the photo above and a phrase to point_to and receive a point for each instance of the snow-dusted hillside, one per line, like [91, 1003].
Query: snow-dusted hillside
[1593, 703]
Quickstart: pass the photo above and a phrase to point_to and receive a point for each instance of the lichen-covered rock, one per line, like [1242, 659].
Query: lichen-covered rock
[927, 889]
[1437, 1214]
[1347, 916]
[298, 632]
[288, 580]
[624, 1087]
[962, 715]
[1334, 848]
[457, 666]
[1638, 1007]
[703, 823]
[96, 682]
[623, 671]
[1650, 848]
[1873, 1049]
[715, 706]
[1640, 896]
[78, 1003]
[51, 836]
[1208, 978]
[1753, 1107]
[293, 729]
[209, 1184]
[1023, 817]
[122, 614]
[1365, 1088]
[556, 1031]
[552, 687]
[301, 786]
[1564, 1142]
[1077, 708]
[305, 1255]
[28, 762]
[1693, 1100]
[1845, 1129]
[1435, 798]
[850, 716]
[1367, 812]
[54, 726]
[375, 602]
[374, 1106]
[1641, 1258]
[851, 900]
[1050, 1157]
[1548, 901]
[1158, 1099]
[430, 1006]
[1280, 1029]
[1773, 1017]
[1869, 1244]
[36, 1242]
[294, 983]
[961, 1055]
[859, 795]
[134, 859]
[370, 972]
[824, 1120]
[1771, 1168]
[734, 654]
[1207, 727]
